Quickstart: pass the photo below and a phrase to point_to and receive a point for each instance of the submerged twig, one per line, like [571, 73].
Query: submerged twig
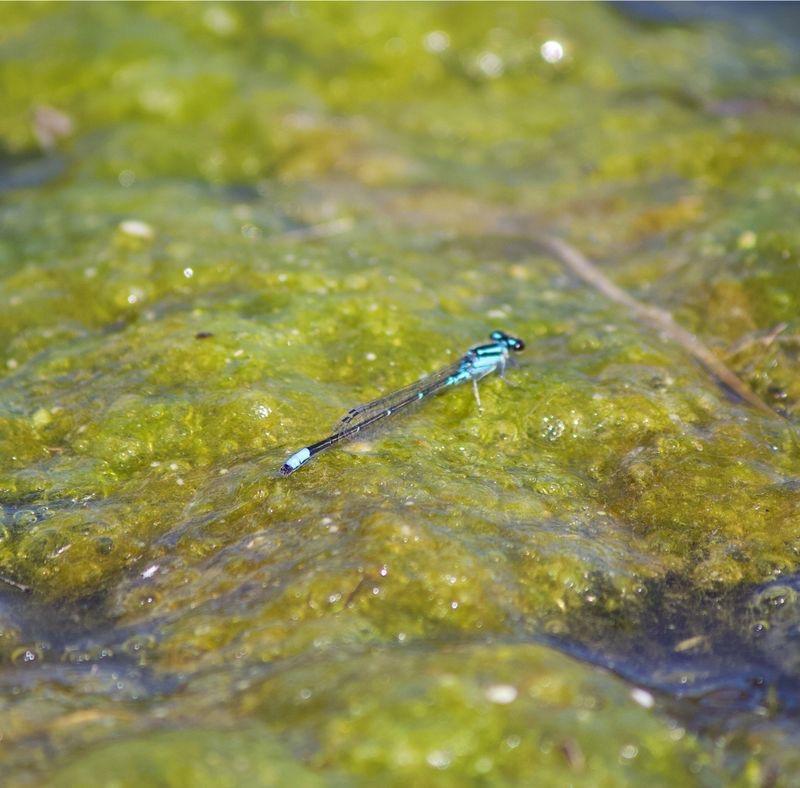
[14, 584]
[354, 593]
[758, 339]
[656, 318]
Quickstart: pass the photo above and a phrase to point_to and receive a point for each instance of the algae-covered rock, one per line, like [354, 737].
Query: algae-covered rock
[222, 226]
[248, 757]
[478, 715]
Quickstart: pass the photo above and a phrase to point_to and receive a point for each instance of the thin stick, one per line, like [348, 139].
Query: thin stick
[15, 584]
[763, 339]
[656, 318]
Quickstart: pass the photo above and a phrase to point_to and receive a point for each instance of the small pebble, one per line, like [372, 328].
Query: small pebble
[643, 697]
[501, 693]
[137, 229]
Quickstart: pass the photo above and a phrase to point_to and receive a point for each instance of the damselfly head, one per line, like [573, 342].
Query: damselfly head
[512, 343]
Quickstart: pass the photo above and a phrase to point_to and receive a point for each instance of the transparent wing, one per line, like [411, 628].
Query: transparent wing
[425, 386]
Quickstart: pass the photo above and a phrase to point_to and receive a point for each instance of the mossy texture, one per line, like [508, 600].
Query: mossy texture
[223, 225]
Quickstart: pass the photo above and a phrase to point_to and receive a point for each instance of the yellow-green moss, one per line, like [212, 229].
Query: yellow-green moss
[261, 215]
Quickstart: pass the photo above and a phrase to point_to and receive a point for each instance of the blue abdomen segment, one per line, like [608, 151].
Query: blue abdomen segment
[295, 461]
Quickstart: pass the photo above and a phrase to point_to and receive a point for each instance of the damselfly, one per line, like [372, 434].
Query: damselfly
[475, 364]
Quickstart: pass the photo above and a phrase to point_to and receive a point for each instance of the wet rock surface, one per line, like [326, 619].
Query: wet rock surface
[268, 214]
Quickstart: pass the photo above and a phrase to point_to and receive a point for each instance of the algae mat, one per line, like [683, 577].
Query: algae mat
[221, 226]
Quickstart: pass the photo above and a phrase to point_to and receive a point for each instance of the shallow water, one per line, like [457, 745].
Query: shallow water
[259, 216]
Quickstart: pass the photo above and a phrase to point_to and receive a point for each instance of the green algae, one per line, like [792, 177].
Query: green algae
[447, 718]
[483, 715]
[226, 758]
[270, 213]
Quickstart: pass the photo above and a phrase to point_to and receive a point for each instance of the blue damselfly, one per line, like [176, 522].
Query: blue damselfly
[475, 364]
